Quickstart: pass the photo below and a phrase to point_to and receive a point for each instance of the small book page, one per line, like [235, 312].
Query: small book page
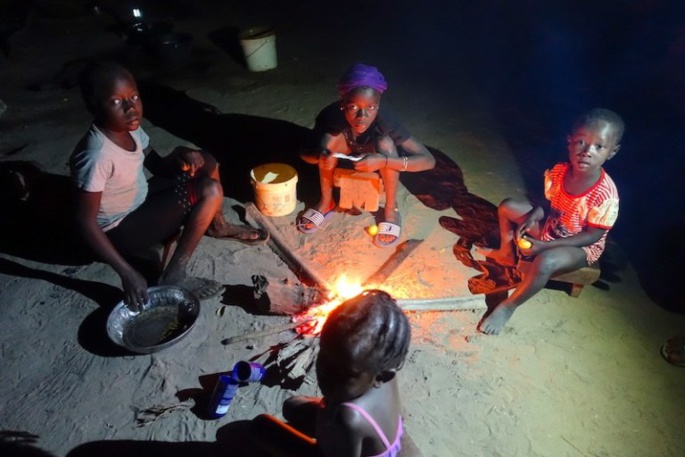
[338, 155]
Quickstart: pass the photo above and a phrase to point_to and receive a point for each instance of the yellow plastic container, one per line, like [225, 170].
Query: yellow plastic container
[275, 188]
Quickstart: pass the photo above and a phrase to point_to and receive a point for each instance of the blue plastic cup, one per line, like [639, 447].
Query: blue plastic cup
[248, 371]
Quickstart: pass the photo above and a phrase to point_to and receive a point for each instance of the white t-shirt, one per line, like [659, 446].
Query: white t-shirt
[98, 165]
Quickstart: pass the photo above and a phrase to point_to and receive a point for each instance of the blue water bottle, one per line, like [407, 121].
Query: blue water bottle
[248, 371]
[224, 391]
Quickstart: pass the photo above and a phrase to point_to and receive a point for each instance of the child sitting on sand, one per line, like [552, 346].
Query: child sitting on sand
[360, 125]
[119, 213]
[363, 345]
[583, 207]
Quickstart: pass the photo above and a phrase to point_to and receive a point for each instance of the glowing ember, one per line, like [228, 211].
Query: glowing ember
[314, 318]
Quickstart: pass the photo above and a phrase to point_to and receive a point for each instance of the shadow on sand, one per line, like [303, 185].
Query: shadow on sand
[231, 439]
[36, 222]
[240, 142]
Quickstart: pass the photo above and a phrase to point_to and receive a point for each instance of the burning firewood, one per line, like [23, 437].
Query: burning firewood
[293, 361]
[393, 262]
[275, 296]
[261, 333]
[302, 364]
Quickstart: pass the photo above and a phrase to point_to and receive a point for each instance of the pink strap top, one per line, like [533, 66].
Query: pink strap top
[392, 450]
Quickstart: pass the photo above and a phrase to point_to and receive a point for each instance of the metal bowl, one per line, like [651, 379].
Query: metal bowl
[163, 321]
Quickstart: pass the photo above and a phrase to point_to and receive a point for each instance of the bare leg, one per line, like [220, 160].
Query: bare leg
[301, 412]
[198, 221]
[391, 180]
[510, 214]
[219, 227]
[279, 439]
[326, 202]
[326, 169]
[546, 264]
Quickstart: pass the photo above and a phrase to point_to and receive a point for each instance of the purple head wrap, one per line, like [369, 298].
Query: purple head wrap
[359, 75]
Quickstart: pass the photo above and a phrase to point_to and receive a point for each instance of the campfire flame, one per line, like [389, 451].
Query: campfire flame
[314, 318]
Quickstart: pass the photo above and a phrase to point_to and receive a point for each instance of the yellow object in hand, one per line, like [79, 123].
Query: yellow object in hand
[372, 230]
[523, 243]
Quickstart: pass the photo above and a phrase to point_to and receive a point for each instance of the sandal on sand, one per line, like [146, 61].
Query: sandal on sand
[388, 228]
[673, 351]
[314, 218]
[202, 288]
[261, 239]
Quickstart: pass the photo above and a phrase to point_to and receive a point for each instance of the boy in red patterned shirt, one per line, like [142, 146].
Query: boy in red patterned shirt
[583, 207]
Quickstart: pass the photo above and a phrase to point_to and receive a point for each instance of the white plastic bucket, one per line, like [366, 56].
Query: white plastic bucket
[259, 48]
[275, 188]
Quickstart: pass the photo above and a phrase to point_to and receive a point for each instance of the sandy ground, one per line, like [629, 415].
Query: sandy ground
[569, 377]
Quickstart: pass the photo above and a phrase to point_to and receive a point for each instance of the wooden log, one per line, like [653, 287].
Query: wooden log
[394, 261]
[443, 304]
[289, 352]
[265, 332]
[283, 248]
[300, 366]
[285, 297]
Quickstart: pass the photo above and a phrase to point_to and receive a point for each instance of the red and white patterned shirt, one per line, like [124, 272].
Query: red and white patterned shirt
[570, 214]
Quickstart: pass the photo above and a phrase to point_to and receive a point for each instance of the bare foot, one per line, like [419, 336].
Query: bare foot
[391, 216]
[306, 226]
[243, 233]
[495, 322]
[172, 276]
[504, 258]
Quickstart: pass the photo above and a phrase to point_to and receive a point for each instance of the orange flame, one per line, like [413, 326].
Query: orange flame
[314, 318]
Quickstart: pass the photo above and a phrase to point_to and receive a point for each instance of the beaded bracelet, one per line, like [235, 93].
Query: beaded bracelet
[405, 162]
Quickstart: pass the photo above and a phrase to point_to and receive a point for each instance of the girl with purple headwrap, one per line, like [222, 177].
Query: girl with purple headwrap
[359, 125]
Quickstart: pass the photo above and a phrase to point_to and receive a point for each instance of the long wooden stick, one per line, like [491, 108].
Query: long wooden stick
[265, 332]
[394, 261]
[284, 249]
[443, 304]
[407, 304]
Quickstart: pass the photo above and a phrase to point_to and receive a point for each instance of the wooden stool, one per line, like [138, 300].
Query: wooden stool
[358, 188]
[578, 278]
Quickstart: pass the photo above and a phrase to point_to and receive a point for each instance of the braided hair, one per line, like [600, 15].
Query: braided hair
[375, 329]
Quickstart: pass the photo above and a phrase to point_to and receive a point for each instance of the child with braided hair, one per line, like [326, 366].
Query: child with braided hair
[363, 345]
